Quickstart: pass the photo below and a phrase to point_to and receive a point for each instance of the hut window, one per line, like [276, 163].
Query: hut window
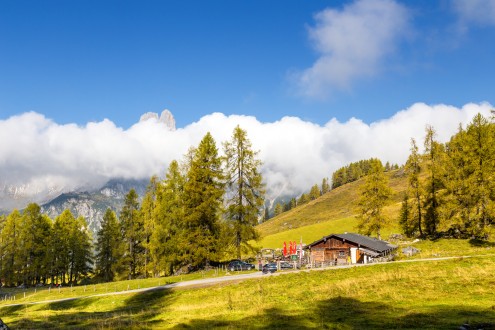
[341, 254]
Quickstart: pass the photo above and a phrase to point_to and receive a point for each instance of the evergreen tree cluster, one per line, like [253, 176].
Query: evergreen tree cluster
[356, 170]
[35, 249]
[451, 186]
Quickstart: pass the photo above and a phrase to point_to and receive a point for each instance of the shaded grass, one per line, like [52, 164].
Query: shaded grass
[422, 295]
[29, 295]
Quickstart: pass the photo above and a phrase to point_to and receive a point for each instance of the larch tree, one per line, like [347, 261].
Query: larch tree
[132, 229]
[109, 248]
[434, 160]
[11, 248]
[375, 194]
[472, 158]
[413, 169]
[147, 214]
[203, 198]
[82, 256]
[314, 193]
[35, 233]
[167, 239]
[325, 186]
[245, 189]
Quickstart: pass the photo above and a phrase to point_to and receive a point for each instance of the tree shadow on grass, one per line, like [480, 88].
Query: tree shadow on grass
[349, 313]
[137, 312]
[481, 243]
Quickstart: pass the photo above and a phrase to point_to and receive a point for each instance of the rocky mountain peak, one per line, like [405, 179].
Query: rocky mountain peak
[165, 118]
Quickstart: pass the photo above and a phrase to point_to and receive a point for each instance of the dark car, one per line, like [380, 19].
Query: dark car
[239, 265]
[287, 265]
[269, 268]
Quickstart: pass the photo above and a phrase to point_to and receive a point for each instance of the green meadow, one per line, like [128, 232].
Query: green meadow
[415, 295]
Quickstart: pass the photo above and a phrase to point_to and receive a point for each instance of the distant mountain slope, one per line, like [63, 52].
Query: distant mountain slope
[336, 204]
[92, 205]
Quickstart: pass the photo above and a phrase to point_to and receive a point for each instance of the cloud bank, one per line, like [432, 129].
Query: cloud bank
[352, 43]
[40, 156]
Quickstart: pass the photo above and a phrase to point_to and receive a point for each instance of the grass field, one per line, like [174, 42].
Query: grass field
[421, 295]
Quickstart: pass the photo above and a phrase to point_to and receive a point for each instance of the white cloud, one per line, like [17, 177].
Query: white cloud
[42, 156]
[481, 12]
[352, 43]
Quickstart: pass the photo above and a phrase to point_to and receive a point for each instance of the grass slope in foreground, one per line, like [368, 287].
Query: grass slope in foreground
[420, 295]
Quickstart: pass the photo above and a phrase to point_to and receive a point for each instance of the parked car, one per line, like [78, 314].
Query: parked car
[269, 268]
[239, 265]
[287, 265]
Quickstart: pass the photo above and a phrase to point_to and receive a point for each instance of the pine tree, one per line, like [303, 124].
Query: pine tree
[132, 233]
[109, 248]
[375, 193]
[203, 192]
[245, 194]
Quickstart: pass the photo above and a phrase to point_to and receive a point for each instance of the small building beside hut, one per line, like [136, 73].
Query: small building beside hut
[339, 249]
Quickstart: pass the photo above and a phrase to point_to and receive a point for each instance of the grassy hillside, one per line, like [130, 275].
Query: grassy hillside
[421, 295]
[331, 213]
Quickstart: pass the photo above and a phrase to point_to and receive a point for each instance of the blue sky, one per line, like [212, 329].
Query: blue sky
[316, 85]
[83, 61]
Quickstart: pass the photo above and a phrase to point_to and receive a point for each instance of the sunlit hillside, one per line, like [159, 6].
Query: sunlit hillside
[332, 212]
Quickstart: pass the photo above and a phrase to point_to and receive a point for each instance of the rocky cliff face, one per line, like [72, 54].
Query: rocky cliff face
[165, 118]
[93, 205]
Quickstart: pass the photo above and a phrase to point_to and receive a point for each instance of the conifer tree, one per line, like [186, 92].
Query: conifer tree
[314, 193]
[278, 209]
[35, 233]
[81, 250]
[375, 193]
[132, 233]
[147, 214]
[109, 248]
[11, 248]
[303, 199]
[413, 169]
[434, 160]
[245, 194]
[61, 244]
[203, 192]
[325, 186]
[470, 182]
[167, 241]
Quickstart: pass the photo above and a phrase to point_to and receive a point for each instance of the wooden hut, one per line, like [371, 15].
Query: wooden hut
[348, 248]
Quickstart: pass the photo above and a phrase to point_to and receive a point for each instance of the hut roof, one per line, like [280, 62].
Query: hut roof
[369, 243]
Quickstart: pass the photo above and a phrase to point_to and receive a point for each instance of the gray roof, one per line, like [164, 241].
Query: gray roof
[372, 244]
